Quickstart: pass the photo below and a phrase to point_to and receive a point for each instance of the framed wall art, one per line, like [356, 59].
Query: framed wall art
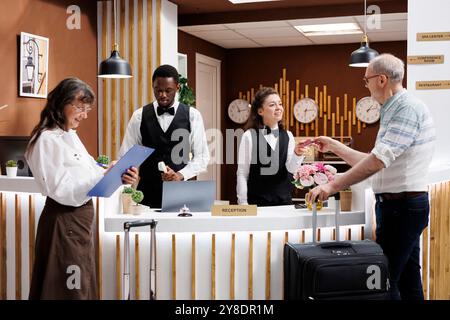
[33, 67]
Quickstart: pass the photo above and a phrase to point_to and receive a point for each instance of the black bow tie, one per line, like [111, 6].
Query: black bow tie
[161, 110]
[275, 132]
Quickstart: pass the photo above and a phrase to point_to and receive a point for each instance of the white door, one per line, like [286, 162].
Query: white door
[207, 91]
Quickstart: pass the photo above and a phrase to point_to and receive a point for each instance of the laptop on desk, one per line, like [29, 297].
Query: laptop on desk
[198, 196]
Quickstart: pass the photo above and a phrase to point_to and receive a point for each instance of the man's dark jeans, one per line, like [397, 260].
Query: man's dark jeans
[399, 226]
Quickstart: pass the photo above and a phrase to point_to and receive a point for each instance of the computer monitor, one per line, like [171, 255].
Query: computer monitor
[198, 196]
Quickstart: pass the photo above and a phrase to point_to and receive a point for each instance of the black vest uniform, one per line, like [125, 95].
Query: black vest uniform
[275, 189]
[154, 137]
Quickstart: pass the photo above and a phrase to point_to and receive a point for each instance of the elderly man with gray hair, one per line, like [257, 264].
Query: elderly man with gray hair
[399, 164]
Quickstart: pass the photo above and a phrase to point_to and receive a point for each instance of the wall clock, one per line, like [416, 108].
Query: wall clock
[306, 110]
[368, 110]
[239, 111]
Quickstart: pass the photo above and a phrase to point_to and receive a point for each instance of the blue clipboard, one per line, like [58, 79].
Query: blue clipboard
[113, 179]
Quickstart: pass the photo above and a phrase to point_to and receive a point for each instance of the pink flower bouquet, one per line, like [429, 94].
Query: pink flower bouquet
[311, 175]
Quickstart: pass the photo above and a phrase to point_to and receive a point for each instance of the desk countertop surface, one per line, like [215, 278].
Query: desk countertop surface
[267, 218]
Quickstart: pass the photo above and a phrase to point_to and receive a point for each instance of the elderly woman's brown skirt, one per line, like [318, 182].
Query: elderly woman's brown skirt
[64, 266]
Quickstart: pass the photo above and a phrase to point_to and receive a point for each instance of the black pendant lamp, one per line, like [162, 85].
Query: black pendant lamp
[362, 56]
[115, 66]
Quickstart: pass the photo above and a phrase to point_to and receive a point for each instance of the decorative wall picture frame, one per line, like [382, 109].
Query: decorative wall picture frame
[33, 68]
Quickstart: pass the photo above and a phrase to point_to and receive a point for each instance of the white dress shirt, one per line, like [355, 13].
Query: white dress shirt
[197, 138]
[245, 157]
[62, 167]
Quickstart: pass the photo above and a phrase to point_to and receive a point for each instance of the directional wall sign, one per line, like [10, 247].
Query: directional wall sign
[432, 85]
[433, 36]
[437, 59]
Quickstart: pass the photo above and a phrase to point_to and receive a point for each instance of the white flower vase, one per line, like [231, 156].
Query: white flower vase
[11, 172]
[137, 209]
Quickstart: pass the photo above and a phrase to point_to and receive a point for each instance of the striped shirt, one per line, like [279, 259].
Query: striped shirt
[405, 144]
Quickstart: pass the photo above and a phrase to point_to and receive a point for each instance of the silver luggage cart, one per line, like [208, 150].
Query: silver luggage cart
[126, 270]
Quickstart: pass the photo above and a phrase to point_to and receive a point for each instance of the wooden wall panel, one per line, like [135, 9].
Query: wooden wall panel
[140, 46]
[31, 233]
[137, 275]
[250, 267]
[121, 97]
[103, 82]
[122, 101]
[149, 97]
[98, 248]
[213, 267]
[268, 264]
[18, 245]
[193, 270]
[131, 31]
[439, 243]
[174, 267]
[118, 270]
[3, 244]
[232, 266]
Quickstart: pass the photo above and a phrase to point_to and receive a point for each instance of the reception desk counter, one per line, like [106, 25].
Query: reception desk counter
[222, 257]
[198, 257]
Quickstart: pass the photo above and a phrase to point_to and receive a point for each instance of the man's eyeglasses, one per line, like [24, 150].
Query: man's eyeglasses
[366, 79]
[82, 109]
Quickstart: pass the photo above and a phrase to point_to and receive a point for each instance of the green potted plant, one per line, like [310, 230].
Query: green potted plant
[127, 192]
[137, 198]
[186, 94]
[103, 161]
[11, 168]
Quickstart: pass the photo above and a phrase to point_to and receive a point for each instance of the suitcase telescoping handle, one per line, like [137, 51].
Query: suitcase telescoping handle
[337, 212]
[126, 270]
[139, 223]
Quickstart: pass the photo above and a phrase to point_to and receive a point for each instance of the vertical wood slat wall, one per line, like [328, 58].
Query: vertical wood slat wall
[3, 275]
[18, 245]
[31, 233]
[436, 245]
[119, 98]
[338, 119]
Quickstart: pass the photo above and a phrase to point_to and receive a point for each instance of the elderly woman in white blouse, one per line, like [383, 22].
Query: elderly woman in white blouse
[65, 172]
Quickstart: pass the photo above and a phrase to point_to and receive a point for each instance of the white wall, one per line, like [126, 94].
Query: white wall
[169, 33]
[431, 16]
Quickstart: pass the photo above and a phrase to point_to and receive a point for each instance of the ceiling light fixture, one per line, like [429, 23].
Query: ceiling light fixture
[115, 66]
[329, 29]
[362, 56]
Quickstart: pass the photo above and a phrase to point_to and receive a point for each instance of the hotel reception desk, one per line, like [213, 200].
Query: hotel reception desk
[198, 257]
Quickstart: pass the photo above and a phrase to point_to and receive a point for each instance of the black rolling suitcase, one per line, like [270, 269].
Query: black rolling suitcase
[342, 270]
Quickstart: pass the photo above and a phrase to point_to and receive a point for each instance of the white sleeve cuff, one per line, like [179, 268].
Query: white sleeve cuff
[384, 154]
[187, 173]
